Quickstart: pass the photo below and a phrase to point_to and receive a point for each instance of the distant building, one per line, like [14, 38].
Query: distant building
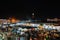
[54, 19]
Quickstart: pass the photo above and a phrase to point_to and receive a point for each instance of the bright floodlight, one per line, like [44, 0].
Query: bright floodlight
[54, 28]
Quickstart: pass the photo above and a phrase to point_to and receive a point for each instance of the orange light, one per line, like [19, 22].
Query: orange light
[13, 20]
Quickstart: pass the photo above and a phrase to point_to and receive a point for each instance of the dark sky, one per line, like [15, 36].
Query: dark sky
[25, 8]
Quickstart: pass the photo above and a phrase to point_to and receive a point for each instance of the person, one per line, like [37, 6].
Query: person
[1, 36]
[47, 36]
[41, 36]
[33, 34]
[28, 35]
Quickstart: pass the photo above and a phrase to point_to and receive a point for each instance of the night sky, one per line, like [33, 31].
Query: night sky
[25, 8]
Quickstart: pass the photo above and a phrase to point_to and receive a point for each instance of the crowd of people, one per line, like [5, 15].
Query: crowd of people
[41, 35]
[35, 35]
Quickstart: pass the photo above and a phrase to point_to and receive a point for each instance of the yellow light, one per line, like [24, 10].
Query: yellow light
[40, 27]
